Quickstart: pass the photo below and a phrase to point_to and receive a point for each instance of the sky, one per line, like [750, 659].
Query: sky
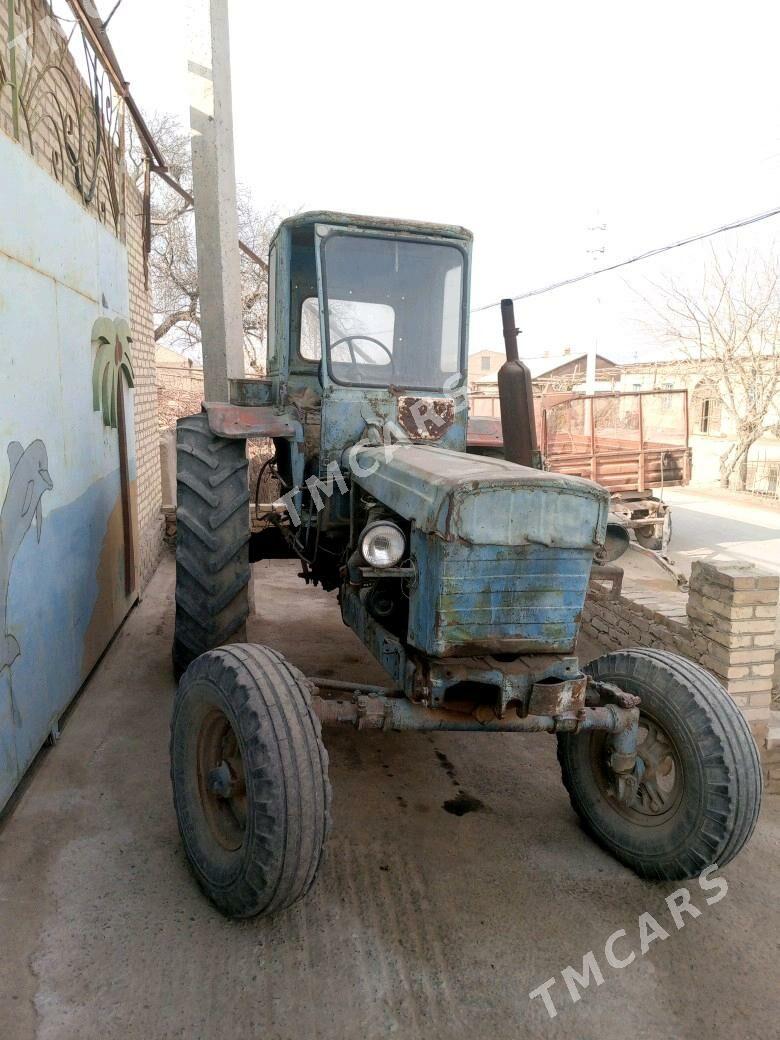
[528, 123]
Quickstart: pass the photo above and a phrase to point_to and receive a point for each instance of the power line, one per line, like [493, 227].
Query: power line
[635, 259]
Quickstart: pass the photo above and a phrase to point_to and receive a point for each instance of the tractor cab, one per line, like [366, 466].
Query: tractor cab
[370, 316]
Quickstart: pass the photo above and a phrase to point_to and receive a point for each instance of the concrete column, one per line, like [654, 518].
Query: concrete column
[214, 188]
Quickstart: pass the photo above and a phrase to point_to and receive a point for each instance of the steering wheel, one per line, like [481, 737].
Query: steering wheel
[353, 350]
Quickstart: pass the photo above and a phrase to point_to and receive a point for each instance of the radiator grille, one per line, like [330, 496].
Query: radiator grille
[489, 599]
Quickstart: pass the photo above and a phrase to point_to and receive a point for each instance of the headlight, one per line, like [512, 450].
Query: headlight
[382, 544]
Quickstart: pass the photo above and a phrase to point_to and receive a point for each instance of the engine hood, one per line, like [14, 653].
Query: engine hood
[482, 500]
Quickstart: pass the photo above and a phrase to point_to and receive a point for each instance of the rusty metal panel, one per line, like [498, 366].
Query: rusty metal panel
[624, 441]
[557, 697]
[238, 421]
[426, 418]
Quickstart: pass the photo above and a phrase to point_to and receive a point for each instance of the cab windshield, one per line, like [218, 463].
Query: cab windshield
[393, 311]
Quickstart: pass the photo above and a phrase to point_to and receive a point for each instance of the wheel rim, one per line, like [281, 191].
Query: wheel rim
[221, 780]
[661, 784]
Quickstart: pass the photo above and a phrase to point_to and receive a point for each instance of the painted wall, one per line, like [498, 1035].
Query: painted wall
[62, 547]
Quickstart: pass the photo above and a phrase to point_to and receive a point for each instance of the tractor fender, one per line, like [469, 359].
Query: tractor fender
[241, 421]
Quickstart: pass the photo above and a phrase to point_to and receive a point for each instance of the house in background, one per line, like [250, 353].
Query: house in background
[551, 373]
[484, 366]
[179, 393]
[567, 371]
[175, 371]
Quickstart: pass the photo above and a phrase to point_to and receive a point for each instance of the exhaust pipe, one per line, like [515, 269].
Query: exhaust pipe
[515, 393]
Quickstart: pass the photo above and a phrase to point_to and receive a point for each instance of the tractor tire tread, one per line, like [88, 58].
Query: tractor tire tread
[212, 540]
[286, 768]
[728, 758]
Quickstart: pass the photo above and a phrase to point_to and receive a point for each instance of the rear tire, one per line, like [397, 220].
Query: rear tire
[212, 536]
[702, 793]
[250, 779]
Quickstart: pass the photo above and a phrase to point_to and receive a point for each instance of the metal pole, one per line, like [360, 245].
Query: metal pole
[510, 330]
[214, 188]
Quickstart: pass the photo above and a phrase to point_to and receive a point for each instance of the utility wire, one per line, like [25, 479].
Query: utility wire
[635, 259]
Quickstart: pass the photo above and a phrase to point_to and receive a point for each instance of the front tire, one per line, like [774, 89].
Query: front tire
[250, 779]
[699, 800]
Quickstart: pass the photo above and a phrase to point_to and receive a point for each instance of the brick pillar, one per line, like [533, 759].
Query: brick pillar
[732, 610]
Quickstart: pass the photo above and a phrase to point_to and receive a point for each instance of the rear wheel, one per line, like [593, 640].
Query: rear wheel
[250, 779]
[212, 535]
[700, 785]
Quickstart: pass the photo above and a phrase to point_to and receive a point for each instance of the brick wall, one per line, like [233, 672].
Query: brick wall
[147, 439]
[726, 622]
[58, 128]
[56, 114]
[180, 377]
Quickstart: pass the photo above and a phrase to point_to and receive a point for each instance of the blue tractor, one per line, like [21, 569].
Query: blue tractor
[465, 576]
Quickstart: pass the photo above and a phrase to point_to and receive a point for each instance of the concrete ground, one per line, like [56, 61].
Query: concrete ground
[423, 924]
[716, 525]
[708, 523]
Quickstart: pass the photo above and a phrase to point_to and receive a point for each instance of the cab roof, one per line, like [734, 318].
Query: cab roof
[391, 224]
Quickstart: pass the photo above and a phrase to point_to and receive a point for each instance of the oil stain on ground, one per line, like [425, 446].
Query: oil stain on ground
[463, 803]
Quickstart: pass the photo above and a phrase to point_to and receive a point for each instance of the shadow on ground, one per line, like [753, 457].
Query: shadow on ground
[425, 922]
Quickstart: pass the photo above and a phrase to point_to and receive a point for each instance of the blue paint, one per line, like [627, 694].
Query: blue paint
[51, 599]
[473, 599]
[484, 500]
[60, 270]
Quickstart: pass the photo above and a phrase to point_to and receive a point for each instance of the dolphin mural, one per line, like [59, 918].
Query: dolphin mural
[28, 483]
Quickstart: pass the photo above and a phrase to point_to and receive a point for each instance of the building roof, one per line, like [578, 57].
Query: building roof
[554, 365]
[165, 356]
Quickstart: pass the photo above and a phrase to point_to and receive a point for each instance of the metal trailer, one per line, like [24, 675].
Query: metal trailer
[634, 443]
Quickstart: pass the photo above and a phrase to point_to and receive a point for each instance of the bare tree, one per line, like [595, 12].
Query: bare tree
[730, 328]
[173, 266]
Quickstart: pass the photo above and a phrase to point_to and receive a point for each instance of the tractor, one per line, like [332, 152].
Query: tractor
[465, 576]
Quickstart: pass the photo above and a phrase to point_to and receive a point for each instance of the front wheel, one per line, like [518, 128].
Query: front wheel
[250, 779]
[700, 785]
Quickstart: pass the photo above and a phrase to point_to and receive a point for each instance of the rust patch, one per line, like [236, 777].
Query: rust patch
[485, 432]
[112, 604]
[557, 697]
[229, 420]
[426, 418]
